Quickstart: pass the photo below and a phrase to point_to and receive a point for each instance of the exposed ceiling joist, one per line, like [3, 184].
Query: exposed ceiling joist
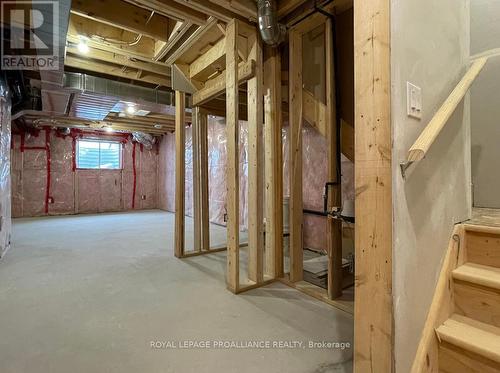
[162, 48]
[114, 70]
[124, 15]
[109, 38]
[191, 40]
[223, 13]
[244, 8]
[118, 59]
[180, 11]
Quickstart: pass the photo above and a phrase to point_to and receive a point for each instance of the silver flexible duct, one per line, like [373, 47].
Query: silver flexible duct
[272, 32]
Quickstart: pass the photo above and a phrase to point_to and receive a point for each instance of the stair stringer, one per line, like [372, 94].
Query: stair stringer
[442, 305]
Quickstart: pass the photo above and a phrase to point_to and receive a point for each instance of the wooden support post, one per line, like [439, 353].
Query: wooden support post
[334, 226]
[373, 314]
[255, 166]
[195, 127]
[273, 164]
[180, 170]
[232, 171]
[295, 119]
[205, 214]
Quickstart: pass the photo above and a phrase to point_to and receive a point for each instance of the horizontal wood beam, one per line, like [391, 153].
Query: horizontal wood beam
[217, 86]
[105, 68]
[208, 61]
[119, 59]
[123, 15]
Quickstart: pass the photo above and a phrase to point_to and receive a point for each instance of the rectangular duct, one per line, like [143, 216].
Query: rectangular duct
[108, 87]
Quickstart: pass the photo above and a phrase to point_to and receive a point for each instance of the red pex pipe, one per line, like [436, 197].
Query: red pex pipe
[47, 148]
[73, 153]
[135, 175]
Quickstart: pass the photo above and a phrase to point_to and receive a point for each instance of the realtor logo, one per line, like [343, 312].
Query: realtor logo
[30, 35]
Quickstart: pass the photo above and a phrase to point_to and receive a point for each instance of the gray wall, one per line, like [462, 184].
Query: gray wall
[430, 48]
[485, 105]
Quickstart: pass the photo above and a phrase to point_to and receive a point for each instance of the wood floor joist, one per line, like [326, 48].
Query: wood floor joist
[177, 10]
[124, 15]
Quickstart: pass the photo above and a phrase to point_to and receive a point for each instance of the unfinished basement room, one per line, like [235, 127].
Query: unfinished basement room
[299, 186]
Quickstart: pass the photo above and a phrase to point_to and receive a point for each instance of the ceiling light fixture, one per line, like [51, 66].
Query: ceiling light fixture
[131, 109]
[83, 47]
[108, 129]
[158, 125]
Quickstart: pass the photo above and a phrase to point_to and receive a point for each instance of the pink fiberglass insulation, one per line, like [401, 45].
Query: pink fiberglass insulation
[80, 190]
[148, 178]
[166, 173]
[314, 177]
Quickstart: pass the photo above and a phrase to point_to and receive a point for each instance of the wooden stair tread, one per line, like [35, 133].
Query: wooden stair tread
[471, 335]
[478, 274]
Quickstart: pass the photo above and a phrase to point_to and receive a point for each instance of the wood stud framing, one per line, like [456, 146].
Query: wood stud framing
[255, 169]
[334, 226]
[232, 170]
[295, 120]
[180, 171]
[372, 153]
[273, 165]
[373, 313]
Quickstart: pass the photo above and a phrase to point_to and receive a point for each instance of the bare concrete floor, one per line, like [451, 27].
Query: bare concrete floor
[90, 293]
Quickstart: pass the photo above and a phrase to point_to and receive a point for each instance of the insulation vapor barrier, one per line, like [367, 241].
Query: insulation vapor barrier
[314, 176]
[5, 184]
[47, 181]
[217, 160]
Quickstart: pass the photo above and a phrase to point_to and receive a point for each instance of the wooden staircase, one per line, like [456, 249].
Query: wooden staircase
[462, 330]
[469, 339]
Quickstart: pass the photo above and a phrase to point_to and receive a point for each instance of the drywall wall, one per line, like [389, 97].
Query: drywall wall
[71, 190]
[430, 48]
[485, 111]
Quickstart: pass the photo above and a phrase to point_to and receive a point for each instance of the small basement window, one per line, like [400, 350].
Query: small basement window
[94, 154]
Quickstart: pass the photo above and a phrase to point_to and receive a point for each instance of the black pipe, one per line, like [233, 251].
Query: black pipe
[315, 212]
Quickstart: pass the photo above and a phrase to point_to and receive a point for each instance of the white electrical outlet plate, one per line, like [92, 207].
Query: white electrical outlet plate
[413, 100]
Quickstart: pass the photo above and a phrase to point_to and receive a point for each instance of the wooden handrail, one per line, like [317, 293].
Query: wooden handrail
[419, 149]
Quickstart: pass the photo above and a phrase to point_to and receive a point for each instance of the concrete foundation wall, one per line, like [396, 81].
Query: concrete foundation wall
[78, 191]
[430, 48]
[485, 111]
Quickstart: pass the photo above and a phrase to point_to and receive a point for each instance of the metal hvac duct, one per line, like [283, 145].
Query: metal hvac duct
[272, 32]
